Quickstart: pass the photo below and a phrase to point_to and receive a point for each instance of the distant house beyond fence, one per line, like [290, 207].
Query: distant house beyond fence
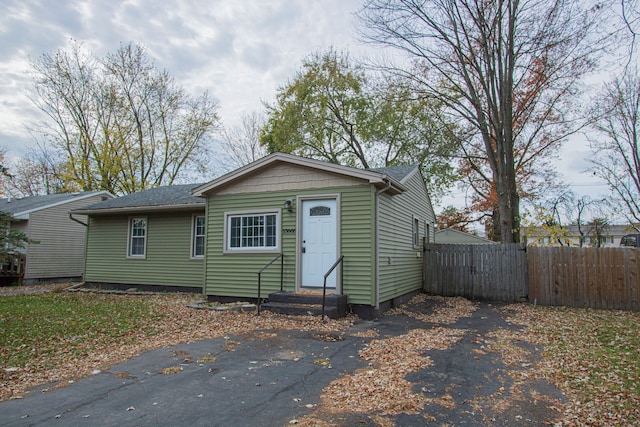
[576, 277]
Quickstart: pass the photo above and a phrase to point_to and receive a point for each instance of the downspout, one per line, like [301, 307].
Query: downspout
[206, 250]
[86, 245]
[378, 242]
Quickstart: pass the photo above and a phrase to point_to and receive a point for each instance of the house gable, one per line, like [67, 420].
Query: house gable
[378, 179]
[286, 176]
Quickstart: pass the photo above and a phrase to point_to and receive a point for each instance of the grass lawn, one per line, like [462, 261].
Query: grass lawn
[593, 356]
[41, 331]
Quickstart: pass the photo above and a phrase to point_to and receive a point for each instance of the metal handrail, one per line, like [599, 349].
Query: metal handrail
[281, 256]
[324, 286]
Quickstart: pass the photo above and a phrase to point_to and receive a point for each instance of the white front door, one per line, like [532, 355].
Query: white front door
[319, 242]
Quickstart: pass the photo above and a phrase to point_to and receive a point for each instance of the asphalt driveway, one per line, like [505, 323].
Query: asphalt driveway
[273, 378]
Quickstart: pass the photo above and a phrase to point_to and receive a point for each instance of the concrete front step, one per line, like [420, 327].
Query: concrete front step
[300, 309]
[306, 303]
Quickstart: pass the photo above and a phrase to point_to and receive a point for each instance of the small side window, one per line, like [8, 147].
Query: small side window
[137, 237]
[197, 248]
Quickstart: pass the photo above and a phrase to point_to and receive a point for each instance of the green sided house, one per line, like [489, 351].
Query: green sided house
[303, 215]
[313, 213]
[148, 240]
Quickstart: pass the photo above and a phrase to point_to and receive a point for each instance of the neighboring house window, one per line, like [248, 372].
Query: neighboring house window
[416, 232]
[255, 231]
[544, 240]
[137, 237]
[197, 250]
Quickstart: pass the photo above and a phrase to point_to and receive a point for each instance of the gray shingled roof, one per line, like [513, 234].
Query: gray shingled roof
[165, 196]
[31, 203]
[177, 195]
[399, 173]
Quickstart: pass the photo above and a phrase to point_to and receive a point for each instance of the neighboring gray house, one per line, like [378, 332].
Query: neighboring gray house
[56, 251]
[453, 236]
[609, 235]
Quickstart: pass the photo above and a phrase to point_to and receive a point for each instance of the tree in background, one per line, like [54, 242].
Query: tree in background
[508, 69]
[36, 173]
[596, 231]
[118, 123]
[616, 148]
[242, 142]
[4, 172]
[333, 110]
[450, 217]
[557, 212]
[11, 239]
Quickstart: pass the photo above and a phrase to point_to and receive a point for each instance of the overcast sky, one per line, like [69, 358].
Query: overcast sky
[240, 51]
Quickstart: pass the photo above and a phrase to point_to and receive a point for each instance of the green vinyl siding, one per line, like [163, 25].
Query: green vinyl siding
[167, 260]
[400, 263]
[235, 274]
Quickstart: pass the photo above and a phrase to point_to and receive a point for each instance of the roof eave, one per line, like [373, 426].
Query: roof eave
[25, 214]
[137, 209]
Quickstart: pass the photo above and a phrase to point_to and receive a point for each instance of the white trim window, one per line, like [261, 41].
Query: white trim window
[197, 237]
[137, 237]
[255, 231]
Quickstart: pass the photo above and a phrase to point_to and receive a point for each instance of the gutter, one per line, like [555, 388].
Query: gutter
[136, 209]
[76, 220]
[378, 193]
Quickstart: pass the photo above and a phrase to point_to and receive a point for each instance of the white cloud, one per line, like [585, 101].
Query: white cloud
[238, 51]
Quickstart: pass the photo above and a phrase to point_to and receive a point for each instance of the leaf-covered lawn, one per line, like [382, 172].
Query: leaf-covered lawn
[593, 356]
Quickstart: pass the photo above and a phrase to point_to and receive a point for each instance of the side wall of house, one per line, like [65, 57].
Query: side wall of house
[22, 226]
[235, 274]
[399, 260]
[168, 259]
[57, 250]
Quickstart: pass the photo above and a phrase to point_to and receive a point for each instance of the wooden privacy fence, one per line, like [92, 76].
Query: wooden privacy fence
[606, 278]
[493, 272]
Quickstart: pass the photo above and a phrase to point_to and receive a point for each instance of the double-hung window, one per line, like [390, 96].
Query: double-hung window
[137, 237]
[252, 231]
[197, 249]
